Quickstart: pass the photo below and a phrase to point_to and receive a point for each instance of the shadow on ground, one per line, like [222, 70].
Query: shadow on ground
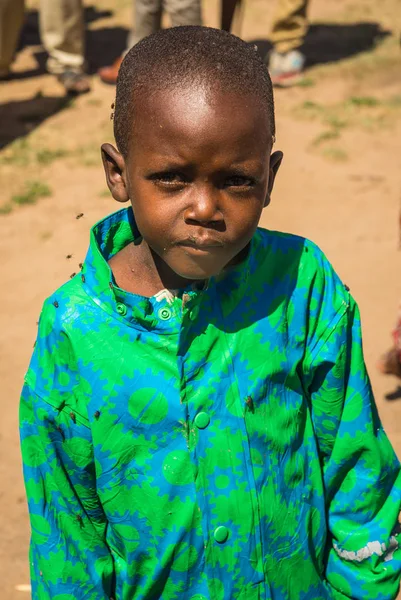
[325, 43]
[329, 42]
[20, 117]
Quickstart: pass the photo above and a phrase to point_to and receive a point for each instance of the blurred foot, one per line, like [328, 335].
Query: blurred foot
[285, 69]
[389, 363]
[109, 74]
[75, 83]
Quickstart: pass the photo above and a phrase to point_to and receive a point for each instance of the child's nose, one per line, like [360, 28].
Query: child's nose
[204, 207]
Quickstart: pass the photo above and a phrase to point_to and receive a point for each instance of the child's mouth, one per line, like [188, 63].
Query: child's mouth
[200, 246]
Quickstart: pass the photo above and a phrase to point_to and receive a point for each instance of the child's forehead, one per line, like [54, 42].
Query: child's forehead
[199, 99]
[193, 112]
[201, 128]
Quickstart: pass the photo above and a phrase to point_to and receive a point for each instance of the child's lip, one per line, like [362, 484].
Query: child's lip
[200, 247]
[200, 243]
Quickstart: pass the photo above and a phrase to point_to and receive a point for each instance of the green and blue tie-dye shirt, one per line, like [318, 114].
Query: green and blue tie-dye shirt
[216, 444]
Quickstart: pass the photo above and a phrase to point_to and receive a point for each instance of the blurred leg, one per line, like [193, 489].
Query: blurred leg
[11, 19]
[289, 25]
[148, 15]
[227, 13]
[63, 34]
[184, 12]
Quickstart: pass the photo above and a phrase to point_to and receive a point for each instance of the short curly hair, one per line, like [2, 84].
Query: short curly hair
[188, 55]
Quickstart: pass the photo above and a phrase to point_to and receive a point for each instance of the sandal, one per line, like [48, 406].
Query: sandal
[285, 69]
[75, 83]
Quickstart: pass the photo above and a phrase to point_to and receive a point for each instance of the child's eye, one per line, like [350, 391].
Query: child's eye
[168, 179]
[239, 181]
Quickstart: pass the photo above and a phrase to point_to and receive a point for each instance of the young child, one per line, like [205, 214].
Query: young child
[197, 422]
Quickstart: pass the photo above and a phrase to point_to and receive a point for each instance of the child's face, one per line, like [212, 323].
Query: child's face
[198, 174]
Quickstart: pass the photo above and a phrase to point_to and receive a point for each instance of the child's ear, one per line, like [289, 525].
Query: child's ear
[275, 162]
[114, 166]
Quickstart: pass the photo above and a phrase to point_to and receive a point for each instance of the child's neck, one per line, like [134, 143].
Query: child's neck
[136, 269]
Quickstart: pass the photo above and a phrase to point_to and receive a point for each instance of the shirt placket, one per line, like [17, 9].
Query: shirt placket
[219, 448]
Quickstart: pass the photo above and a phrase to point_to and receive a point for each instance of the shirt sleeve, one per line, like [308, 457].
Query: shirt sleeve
[361, 472]
[69, 556]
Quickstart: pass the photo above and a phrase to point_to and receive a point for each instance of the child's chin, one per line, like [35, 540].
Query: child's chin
[199, 271]
[200, 275]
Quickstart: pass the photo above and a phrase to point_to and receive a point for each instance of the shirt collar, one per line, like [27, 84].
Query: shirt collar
[162, 312]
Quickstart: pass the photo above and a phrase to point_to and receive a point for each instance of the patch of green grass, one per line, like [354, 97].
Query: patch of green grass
[18, 153]
[306, 82]
[364, 101]
[335, 154]
[330, 115]
[33, 190]
[5, 209]
[326, 136]
[46, 156]
[366, 112]
[336, 121]
[22, 153]
[372, 123]
[90, 161]
[309, 105]
[88, 156]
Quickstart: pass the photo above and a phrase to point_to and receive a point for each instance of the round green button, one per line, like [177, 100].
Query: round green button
[164, 314]
[202, 420]
[220, 534]
[121, 309]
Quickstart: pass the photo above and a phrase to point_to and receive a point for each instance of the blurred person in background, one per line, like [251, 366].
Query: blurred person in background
[286, 61]
[148, 15]
[62, 31]
[11, 20]
[63, 36]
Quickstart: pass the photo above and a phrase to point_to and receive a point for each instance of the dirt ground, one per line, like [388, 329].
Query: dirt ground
[339, 185]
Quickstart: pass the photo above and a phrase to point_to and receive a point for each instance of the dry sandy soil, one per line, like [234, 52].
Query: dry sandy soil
[339, 185]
